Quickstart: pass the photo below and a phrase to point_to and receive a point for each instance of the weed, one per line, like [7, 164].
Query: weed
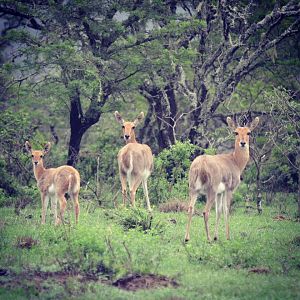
[137, 218]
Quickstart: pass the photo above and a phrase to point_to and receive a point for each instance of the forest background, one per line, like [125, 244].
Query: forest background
[66, 66]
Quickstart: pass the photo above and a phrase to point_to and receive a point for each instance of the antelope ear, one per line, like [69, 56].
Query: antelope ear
[119, 118]
[231, 123]
[47, 147]
[254, 123]
[28, 147]
[139, 118]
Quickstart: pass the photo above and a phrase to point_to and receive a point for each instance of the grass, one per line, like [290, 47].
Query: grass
[261, 261]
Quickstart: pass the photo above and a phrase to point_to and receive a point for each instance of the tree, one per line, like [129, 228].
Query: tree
[185, 57]
[225, 41]
[77, 46]
[286, 112]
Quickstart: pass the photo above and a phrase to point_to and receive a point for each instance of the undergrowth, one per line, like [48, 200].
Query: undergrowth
[109, 244]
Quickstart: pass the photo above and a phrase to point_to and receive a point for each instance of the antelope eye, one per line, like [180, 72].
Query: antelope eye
[133, 127]
[236, 133]
[248, 133]
[41, 156]
[123, 127]
[32, 155]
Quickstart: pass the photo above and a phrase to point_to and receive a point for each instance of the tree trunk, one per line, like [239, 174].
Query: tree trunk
[80, 123]
[74, 147]
[76, 126]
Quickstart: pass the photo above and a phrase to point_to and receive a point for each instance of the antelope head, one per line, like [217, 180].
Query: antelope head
[128, 127]
[37, 155]
[242, 133]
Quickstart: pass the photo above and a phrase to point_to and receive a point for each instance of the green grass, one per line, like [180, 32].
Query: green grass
[104, 247]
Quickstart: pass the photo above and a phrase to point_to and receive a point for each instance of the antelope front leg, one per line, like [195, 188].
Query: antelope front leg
[45, 200]
[193, 198]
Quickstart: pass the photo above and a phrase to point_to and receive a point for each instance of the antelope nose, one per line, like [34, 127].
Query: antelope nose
[243, 144]
[126, 136]
[35, 162]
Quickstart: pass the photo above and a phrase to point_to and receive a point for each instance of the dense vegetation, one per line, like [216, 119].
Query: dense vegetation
[66, 66]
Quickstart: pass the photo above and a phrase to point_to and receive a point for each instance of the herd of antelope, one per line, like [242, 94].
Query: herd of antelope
[215, 176]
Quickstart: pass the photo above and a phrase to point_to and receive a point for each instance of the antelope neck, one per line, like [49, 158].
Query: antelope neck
[38, 171]
[241, 157]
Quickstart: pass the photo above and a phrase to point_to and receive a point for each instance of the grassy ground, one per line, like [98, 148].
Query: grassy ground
[261, 261]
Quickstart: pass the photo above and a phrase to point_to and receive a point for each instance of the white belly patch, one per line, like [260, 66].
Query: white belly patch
[221, 188]
[51, 189]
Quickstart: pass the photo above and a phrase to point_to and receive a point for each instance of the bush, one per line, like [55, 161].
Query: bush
[137, 218]
[170, 176]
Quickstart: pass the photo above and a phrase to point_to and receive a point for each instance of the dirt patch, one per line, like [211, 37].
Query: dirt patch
[148, 281]
[280, 218]
[174, 206]
[261, 270]
[39, 283]
[177, 206]
[37, 279]
[26, 242]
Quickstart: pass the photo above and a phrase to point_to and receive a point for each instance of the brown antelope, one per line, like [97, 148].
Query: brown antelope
[54, 183]
[135, 161]
[217, 176]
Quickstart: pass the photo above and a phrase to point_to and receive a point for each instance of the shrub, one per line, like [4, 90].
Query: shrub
[137, 218]
[170, 176]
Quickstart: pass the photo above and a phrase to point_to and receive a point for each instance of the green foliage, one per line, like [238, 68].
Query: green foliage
[15, 129]
[241, 193]
[283, 115]
[137, 218]
[170, 176]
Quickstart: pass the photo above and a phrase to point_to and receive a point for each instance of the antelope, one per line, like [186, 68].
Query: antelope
[54, 183]
[135, 161]
[217, 176]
